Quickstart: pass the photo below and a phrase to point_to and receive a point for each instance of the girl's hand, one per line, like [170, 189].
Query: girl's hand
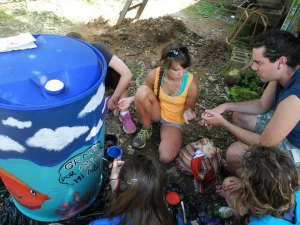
[116, 167]
[188, 115]
[111, 104]
[231, 184]
[124, 103]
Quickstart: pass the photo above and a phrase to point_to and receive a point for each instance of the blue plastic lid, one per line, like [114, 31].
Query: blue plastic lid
[59, 71]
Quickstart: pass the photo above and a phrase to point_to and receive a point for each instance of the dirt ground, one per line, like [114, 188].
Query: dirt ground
[139, 44]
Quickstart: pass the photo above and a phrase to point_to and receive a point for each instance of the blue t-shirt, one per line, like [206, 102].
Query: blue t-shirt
[292, 88]
[270, 220]
[116, 220]
[107, 221]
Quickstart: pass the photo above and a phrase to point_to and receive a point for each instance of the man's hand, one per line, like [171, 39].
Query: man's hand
[210, 117]
[220, 109]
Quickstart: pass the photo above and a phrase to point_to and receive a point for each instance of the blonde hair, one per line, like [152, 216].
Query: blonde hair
[269, 180]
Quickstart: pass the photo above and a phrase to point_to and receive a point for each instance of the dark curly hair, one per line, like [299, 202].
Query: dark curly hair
[269, 180]
[279, 43]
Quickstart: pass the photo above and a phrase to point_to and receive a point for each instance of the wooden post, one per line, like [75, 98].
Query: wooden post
[141, 9]
[128, 7]
[124, 11]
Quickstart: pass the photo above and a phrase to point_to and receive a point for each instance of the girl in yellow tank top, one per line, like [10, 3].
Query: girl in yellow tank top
[169, 96]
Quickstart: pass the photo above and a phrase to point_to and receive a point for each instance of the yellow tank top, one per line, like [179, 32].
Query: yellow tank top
[172, 107]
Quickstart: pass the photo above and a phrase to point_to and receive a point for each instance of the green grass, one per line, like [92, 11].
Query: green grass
[208, 7]
[5, 16]
[134, 68]
[20, 20]
[204, 9]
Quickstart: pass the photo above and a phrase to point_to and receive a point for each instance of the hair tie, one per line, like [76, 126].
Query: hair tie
[132, 181]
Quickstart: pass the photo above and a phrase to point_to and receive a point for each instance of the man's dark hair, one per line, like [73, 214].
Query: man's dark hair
[279, 43]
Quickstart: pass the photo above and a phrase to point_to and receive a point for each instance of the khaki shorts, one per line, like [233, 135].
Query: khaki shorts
[285, 145]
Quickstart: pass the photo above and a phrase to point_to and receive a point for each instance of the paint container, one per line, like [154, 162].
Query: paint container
[173, 198]
[52, 130]
[114, 152]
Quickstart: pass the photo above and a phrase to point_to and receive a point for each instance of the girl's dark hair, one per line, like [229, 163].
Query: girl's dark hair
[279, 43]
[174, 52]
[269, 180]
[140, 196]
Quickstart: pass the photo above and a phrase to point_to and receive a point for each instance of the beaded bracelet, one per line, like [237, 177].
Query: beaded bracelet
[113, 179]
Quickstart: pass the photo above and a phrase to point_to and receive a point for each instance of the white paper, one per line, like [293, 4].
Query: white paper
[18, 42]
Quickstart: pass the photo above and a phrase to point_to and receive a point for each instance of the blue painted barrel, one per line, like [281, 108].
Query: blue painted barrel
[52, 109]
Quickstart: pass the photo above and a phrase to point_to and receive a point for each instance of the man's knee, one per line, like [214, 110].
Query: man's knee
[234, 155]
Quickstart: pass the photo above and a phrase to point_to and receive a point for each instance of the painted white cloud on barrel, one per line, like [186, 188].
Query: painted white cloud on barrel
[94, 131]
[8, 144]
[94, 102]
[56, 140]
[12, 122]
[104, 106]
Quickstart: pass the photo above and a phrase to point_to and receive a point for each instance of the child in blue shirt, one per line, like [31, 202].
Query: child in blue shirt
[267, 190]
[138, 194]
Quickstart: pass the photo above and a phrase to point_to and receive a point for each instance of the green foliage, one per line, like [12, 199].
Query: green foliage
[252, 82]
[240, 94]
[5, 16]
[249, 88]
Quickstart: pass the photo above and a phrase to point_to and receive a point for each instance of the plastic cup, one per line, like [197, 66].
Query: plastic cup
[114, 152]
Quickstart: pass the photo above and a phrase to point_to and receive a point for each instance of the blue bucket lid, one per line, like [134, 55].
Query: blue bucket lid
[59, 71]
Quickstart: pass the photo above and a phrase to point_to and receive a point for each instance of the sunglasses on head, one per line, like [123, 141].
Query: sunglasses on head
[173, 52]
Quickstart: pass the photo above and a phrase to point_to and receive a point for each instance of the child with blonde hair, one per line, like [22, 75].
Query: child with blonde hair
[267, 190]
